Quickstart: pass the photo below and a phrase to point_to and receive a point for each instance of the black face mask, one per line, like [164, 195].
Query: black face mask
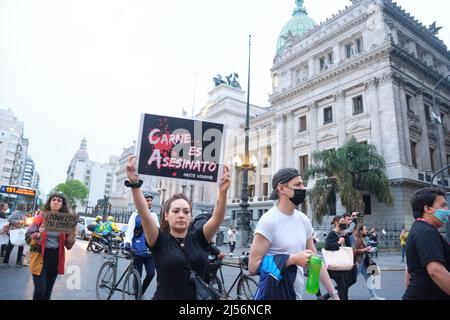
[299, 196]
[355, 220]
[342, 226]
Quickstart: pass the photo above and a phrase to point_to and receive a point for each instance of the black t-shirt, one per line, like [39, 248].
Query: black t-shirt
[424, 245]
[172, 269]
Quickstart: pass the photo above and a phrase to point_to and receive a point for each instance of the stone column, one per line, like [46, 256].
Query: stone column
[290, 158]
[424, 144]
[259, 166]
[280, 142]
[313, 124]
[404, 125]
[373, 102]
[443, 154]
[340, 109]
[388, 119]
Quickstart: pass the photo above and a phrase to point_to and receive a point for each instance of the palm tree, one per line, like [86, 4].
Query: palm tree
[350, 170]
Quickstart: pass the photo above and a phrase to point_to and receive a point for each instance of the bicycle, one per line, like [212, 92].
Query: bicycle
[246, 285]
[106, 284]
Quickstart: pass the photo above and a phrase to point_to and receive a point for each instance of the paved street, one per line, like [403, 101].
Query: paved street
[16, 283]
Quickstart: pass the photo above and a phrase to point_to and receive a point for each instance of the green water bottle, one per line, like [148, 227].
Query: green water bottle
[314, 266]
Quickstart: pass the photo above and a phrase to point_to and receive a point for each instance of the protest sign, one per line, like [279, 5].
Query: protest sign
[180, 148]
[60, 222]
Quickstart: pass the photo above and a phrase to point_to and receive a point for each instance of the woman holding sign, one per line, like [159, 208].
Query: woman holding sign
[176, 251]
[47, 249]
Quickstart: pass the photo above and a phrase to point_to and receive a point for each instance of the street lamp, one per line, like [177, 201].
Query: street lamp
[437, 119]
[244, 216]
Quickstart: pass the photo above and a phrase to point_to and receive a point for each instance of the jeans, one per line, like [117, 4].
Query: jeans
[403, 252]
[9, 249]
[149, 264]
[43, 284]
[232, 245]
[362, 269]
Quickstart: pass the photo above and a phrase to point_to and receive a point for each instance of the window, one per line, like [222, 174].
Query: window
[331, 204]
[7, 161]
[427, 113]
[330, 58]
[251, 190]
[408, 102]
[6, 169]
[327, 115]
[358, 45]
[303, 164]
[358, 105]
[302, 124]
[10, 153]
[349, 52]
[432, 159]
[265, 189]
[448, 161]
[368, 205]
[414, 154]
[267, 157]
[323, 64]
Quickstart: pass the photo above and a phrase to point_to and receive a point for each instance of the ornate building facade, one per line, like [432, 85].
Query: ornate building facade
[366, 72]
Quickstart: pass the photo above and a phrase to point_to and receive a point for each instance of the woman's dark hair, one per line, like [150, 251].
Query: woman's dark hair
[65, 204]
[424, 197]
[2, 205]
[336, 219]
[358, 229]
[164, 224]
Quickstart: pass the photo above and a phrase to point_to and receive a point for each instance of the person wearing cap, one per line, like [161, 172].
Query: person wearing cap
[135, 241]
[283, 230]
[97, 231]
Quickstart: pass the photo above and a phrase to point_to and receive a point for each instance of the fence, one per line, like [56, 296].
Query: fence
[388, 236]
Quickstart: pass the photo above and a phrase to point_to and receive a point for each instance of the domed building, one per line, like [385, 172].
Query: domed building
[97, 177]
[297, 26]
[367, 72]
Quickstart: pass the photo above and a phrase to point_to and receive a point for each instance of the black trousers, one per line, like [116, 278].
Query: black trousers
[43, 284]
[149, 264]
[9, 249]
[3, 249]
[341, 279]
[232, 245]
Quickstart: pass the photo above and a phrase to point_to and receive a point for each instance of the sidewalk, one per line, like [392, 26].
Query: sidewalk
[386, 261]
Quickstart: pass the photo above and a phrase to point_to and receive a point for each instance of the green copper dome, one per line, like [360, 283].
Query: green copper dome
[299, 24]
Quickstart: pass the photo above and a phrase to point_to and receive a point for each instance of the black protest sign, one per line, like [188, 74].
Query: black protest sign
[60, 222]
[180, 148]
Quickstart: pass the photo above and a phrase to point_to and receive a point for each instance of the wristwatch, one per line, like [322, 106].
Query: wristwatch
[334, 293]
[133, 185]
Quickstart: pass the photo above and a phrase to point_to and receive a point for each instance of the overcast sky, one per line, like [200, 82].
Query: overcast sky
[70, 68]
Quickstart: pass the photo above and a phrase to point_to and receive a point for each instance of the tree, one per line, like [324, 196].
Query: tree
[74, 190]
[349, 171]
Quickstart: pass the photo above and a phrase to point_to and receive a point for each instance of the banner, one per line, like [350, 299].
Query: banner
[60, 222]
[180, 148]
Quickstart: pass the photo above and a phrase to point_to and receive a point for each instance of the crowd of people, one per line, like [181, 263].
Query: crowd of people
[177, 252]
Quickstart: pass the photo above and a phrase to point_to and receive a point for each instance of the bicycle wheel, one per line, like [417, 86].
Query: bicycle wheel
[216, 284]
[106, 281]
[246, 288]
[132, 287]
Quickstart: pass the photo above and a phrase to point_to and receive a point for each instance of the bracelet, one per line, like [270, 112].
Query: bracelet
[133, 185]
[334, 293]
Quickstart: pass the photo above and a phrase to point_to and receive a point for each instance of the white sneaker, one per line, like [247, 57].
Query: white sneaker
[377, 298]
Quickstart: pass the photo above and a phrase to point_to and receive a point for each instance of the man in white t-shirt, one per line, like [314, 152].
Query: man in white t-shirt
[285, 230]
